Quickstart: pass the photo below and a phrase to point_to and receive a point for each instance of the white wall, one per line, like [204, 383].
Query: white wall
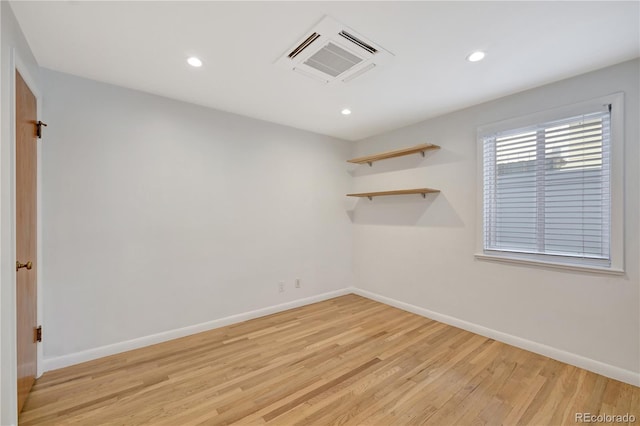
[421, 252]
[160, 215]
[14, 51]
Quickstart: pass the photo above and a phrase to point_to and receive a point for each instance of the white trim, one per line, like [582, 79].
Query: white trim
[618, 143]
[550, 115]
[598, 367]
[54, 363]
[28, 78]
[616, 100]
[546, 264]
[10, 366]
[1, 230]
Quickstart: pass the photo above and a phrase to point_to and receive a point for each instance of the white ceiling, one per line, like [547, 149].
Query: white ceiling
[144, 46]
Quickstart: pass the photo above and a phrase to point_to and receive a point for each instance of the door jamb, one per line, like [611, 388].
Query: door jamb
[9, 344]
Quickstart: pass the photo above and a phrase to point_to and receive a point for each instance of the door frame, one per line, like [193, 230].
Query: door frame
[9, 378]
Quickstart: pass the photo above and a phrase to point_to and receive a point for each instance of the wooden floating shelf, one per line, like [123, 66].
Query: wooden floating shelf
[370, 159]
[421, 191]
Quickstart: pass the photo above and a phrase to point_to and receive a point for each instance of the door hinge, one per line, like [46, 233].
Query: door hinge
[39, 130]
[37, 334]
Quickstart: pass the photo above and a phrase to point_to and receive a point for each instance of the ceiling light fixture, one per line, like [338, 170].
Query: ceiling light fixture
[194, 62]
[476, 56]
[345, 111]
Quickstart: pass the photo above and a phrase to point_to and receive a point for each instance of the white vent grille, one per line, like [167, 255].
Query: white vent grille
[332, 60]
[331, 52]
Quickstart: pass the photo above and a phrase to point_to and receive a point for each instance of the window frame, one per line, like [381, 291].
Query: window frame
[616, 266]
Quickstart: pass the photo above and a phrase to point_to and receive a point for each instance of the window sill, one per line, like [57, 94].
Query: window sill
[553, 265]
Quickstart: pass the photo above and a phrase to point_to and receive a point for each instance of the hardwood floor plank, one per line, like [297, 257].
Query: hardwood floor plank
[344, 361]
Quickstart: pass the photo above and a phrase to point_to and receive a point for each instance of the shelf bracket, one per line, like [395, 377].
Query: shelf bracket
[424, 195]
[422, 153]
[370, 198]
[370, 163]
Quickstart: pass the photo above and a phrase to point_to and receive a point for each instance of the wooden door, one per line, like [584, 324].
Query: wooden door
[26, 173]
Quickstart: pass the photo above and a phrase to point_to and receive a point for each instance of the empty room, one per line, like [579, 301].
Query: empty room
[319, 213]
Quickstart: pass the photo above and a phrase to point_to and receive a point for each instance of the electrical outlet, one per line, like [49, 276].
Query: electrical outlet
[281, 287]
[298, 284]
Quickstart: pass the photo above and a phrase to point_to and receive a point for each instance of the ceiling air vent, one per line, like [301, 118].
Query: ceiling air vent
[330, 52]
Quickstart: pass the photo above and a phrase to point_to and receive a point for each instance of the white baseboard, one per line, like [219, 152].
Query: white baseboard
[54, 363]
[598, 367]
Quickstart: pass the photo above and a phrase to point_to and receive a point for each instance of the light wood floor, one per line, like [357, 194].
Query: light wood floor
[348, 360]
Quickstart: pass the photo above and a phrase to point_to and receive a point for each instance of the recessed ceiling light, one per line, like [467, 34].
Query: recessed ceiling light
[194, 62]
[476, 56]
[345, 111]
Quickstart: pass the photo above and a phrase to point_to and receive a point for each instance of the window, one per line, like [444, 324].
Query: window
[547, 188]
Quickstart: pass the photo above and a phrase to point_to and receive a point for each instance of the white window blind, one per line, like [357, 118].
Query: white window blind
[547, 189]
